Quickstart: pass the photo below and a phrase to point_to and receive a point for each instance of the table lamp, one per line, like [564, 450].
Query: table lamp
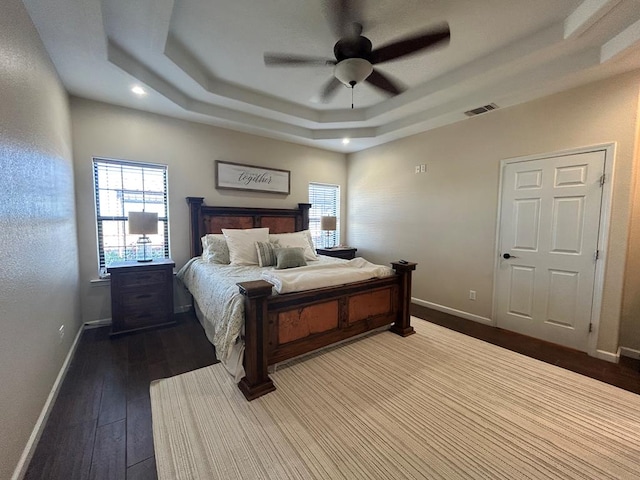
[328, 224]
[143, 223]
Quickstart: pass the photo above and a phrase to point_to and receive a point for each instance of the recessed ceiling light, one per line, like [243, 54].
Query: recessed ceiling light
[345, 141]
[138, 90]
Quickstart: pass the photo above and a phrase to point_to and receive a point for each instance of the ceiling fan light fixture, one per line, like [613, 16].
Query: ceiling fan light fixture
[352, 71]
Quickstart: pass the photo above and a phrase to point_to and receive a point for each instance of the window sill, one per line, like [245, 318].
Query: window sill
[100, 282]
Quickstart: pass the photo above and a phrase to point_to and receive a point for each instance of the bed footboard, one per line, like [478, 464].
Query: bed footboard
[280, 327]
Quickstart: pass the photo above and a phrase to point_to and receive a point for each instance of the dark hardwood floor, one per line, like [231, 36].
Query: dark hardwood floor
[100, 425]
[625, 374]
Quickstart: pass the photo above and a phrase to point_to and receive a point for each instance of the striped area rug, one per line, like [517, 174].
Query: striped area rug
[436, 405]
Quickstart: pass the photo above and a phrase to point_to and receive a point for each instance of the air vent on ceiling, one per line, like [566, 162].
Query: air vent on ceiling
[479, 110]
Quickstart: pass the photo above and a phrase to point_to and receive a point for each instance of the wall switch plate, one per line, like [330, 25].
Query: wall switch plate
[61, 332]
[472, 294]
[417, 168]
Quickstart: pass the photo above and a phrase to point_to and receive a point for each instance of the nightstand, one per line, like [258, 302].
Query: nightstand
[339, 252]
[141, 295]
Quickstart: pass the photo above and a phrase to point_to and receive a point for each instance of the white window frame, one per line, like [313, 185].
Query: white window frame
[325, 201]
[127, 248]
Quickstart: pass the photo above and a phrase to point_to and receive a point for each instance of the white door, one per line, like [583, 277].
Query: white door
[550, 213]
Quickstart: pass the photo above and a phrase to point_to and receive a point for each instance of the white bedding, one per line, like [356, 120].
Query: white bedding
[221, 306]
[321, 275]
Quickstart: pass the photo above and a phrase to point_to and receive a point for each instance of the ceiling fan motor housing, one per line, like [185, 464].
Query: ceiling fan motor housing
[357, 47]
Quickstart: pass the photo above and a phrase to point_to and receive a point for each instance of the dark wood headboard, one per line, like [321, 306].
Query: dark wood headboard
[204, 219]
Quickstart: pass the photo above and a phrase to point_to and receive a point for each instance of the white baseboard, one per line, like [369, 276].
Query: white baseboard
[29, 449]
[629, 352]
[453, 311]
[608, 356]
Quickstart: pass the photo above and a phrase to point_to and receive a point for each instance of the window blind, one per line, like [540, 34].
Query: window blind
[325, 201]
[122, 187]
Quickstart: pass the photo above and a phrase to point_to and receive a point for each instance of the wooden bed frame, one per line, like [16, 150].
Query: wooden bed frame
[280, 327]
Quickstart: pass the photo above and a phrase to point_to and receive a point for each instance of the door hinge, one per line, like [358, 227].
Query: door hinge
[590, 327]
[596, 256]
[602, 179]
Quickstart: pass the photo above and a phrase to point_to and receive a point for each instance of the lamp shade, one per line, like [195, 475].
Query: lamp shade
[143, 223]
[327, 223]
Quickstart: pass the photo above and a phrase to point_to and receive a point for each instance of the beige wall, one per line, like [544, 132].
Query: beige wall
[630, 323]
[189, 150]
[38, 247]
[445, 219]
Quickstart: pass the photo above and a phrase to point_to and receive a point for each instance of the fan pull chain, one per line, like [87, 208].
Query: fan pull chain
[351, 97]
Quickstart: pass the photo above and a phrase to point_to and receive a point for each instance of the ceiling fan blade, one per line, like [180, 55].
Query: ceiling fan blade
[384, 82]
[410, 45]
[287, 60]
[344, 17]
[329, 89]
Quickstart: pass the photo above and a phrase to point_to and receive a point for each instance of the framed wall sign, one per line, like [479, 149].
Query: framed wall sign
[235, 176]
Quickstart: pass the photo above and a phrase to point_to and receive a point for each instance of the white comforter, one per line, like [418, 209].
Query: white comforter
[215, 291]
[324, 275]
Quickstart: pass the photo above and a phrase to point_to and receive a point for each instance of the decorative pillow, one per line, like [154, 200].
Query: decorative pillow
[290, 257]
[215, 249]
[297, 239]
[266, 253]
[242, 244]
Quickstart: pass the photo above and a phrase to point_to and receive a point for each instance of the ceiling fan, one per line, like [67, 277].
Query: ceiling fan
[354, 54]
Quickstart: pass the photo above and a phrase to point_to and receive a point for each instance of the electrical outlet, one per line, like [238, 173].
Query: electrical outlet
[61, 332]
[417, 168]
[472, 294]
[423, 168]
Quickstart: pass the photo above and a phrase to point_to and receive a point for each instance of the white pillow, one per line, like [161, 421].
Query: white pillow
[296, 239]
[242, 244]
[214, 248]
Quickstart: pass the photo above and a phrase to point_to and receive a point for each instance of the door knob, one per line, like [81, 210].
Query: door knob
[507, 256]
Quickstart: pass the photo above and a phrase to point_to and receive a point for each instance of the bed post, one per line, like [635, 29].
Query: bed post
[402, 325]
[195, 220]
[256, 381]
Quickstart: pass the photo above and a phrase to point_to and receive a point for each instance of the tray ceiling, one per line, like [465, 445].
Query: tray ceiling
[202, 60]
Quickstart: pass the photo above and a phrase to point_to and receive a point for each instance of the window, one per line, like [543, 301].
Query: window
[122, 187]
[325, 201]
